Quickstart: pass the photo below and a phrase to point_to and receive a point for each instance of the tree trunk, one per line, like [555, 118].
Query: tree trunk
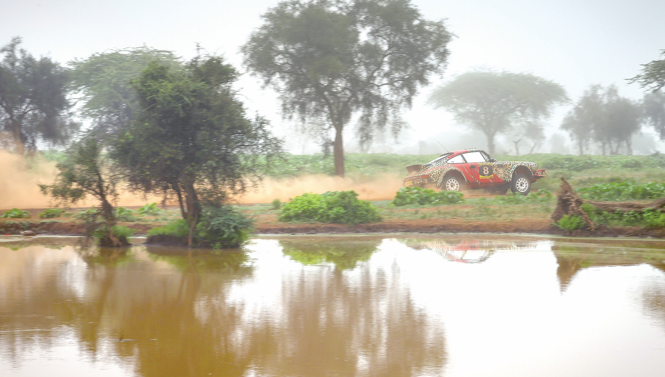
[338, 152]
[517, 146]
[490, 143]
[193, 210]
[629, 145]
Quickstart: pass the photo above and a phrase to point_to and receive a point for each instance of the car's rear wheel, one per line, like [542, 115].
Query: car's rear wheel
[451, 183]
[520, 184]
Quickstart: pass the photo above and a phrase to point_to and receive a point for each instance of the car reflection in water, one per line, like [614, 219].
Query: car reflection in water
[468, 250]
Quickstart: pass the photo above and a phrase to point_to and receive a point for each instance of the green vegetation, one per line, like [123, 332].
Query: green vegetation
[220, 227]
[570, 223]
[50, 213]
[120, 232]
[341, 207]
[224, 227]
[421, 196]
[125, 214]
[540, 196]
[16, 213]
[276, 204]
[178, 228]
[623, 191]
[150, 209]
[646, 219]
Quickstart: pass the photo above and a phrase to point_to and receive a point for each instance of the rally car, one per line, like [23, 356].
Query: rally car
[474, 169]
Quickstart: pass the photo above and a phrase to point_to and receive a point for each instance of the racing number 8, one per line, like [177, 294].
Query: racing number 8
[486, 170]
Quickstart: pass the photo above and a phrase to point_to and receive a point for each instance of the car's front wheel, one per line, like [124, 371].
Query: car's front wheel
[452, 183]
[521, 184]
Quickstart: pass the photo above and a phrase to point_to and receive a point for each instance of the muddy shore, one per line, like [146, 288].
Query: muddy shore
[529, 226]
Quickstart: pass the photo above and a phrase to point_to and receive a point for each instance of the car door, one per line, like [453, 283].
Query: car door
[479, 168]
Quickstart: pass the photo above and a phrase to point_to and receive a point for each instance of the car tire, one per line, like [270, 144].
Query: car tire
[452, 183]
[520, 184]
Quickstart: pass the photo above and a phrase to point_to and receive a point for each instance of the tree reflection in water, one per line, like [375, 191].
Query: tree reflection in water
[179, 315]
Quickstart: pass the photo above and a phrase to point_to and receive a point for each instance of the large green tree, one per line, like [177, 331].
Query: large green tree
[192, 137]
[33, 102]
[496, 102]
[102, 84]
[653, 75]
[333, 60]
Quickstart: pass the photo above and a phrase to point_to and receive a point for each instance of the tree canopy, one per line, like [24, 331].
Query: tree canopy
[103, 84]
[602, 115]
[33, 102]
[330, 60]
[653, 75]
[495, 102]
[192, 138]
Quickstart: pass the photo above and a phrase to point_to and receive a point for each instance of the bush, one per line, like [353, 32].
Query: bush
[276, 204]
[88, 214]
[340, 207]
[150, 209]
[53, 212]
[623, 191]
[219, 227]
[120, 232]
[647, 218]
[124, 214]
[569, 223]
[223, 227]
[421, 196]
[177, 228]
[16, 213]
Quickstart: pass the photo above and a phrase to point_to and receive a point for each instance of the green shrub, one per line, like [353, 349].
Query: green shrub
[177, 228]
[276, 204]
[569, 223]
[51, 213]
[16, 213]
[150, 209]
[223, 227]
[623, 191]
[653, 219]
[120, 232]
[421, 196]
[340, 207]
[124, 214]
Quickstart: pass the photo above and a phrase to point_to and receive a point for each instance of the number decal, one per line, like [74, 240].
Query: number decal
[486, 171]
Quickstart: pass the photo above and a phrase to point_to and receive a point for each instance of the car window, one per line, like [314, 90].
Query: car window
[456, 160]
[474, 157]
[438, 159]
[487, 157]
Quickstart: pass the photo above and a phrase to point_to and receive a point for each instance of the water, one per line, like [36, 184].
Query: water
[337, 306]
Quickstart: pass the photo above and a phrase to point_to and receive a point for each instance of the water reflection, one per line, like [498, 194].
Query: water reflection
[368, 306]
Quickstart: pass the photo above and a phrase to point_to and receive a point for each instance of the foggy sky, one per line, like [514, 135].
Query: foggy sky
[574, 43]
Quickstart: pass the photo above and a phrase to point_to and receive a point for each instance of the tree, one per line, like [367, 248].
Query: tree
[191, 137]
[654, 112]
[87, 171]
[331, 60]
[495, 102]
[33, 103]
[103, 84]
[652, 76]
[601, 114]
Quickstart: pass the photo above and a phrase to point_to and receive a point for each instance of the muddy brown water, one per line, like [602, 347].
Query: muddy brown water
[445, 305]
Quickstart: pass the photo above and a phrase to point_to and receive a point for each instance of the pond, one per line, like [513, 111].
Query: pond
[407, 305]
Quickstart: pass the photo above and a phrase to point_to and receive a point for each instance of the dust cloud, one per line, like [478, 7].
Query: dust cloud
[19, 186]
[383, 187]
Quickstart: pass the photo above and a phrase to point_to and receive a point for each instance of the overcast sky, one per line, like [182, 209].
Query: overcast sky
[574, 43]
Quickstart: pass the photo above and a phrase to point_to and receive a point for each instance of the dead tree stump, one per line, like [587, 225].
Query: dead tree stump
[569, 203]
